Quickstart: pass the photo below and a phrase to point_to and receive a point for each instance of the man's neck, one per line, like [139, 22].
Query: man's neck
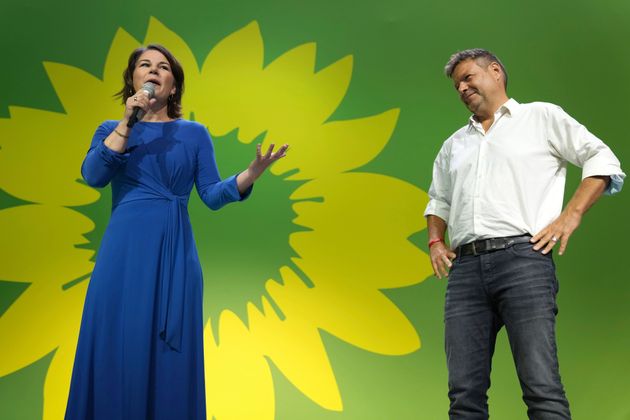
[486, 116]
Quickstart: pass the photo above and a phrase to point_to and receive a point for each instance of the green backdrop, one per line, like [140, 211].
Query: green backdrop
[357, 89]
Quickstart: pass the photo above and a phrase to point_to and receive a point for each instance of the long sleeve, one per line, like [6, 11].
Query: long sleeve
[572, 142]
[101, 163]
[214, 192]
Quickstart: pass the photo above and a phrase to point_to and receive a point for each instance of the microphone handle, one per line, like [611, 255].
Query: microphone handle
[136, 115]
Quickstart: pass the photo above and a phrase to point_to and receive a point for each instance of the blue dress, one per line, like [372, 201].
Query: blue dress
[140, 348]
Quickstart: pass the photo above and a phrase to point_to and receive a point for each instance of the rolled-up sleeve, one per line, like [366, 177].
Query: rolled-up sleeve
[572, 142]
[440, 189]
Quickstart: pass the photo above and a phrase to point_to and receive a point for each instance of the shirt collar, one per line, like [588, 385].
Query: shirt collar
[510, 107]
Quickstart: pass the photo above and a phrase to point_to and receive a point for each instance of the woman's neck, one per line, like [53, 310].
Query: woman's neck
[157, 115]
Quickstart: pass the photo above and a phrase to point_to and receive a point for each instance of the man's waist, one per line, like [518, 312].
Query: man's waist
[483, 246]
[460, 234]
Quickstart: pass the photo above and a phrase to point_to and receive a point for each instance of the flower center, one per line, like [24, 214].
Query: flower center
[244, 244]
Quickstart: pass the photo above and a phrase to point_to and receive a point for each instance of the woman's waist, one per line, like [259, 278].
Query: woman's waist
[156, 195]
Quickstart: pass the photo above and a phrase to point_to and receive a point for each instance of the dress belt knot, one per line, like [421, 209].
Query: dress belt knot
[172, 279]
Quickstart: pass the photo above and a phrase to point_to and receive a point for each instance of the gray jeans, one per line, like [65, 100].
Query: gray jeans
[515, 287]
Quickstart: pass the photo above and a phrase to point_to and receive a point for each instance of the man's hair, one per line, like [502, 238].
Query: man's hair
[477, 54]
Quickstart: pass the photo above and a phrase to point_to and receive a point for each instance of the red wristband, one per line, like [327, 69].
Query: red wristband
[435, 241]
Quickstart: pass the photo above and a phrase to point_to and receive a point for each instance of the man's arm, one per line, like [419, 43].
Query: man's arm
[441, 255]
[588, 192]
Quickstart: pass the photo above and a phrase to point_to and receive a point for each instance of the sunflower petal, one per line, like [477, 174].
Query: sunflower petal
[371, 249]
[121, 47]
[158, 33]
[57, 385]
[49, 147]
[231, 80]
[42, 319]
[238, 379]
[299, 97]
[334, 147]
[50, 234]
[309, 369]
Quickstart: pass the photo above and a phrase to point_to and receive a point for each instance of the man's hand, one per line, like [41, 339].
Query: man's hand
[441, 259]
[559, 230]
[589, 190]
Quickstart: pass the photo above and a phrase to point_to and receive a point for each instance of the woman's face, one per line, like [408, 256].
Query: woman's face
[153, 67]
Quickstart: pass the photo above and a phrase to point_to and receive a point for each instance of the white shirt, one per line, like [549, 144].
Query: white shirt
[510, 180]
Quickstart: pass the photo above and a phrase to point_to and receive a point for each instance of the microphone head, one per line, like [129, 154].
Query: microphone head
[149, 88]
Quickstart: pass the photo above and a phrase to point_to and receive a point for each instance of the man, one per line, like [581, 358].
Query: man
[498, 186]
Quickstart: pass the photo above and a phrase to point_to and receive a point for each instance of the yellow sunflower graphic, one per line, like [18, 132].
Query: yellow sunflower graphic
[343, 234]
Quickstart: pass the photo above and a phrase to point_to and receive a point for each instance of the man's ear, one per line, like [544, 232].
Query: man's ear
[496, 71]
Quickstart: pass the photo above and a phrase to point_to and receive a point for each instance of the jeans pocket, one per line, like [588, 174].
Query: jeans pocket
[526, 249]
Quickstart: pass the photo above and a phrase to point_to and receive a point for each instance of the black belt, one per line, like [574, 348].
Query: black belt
[484, 246]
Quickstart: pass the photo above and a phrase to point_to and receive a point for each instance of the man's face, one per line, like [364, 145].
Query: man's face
[478, 84]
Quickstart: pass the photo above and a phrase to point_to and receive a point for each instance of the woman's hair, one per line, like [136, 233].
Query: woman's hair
[174, 109]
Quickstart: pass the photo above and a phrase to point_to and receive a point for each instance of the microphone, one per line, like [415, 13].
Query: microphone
[138, 112]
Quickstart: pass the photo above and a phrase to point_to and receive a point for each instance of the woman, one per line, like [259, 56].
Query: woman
[140, 349]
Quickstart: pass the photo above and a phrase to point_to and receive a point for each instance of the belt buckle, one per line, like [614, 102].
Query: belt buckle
[474, 249]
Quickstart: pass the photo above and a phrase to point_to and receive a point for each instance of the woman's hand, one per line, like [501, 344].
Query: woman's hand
[258, 166]
[262, 162]
[139, 99]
